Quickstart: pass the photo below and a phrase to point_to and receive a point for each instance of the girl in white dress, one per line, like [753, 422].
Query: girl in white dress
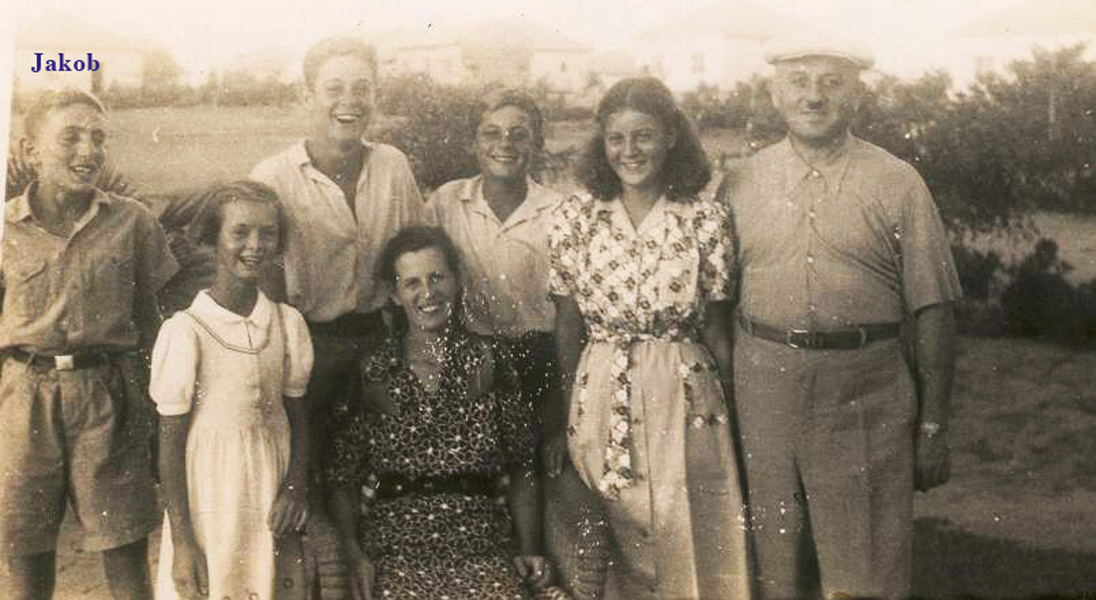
[228, 374]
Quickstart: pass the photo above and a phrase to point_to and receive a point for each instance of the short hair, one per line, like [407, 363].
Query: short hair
[320, 52]
[522, 100]
[686, 170]
[220, 195]
[52, 100]
[413, 239]
[501, 98]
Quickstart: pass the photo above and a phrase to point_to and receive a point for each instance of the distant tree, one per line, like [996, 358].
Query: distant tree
[160, 75]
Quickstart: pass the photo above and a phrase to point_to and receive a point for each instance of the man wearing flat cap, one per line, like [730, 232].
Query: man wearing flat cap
[842, 258]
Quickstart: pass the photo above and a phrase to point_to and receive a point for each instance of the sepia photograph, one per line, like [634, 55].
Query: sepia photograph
[571, 300]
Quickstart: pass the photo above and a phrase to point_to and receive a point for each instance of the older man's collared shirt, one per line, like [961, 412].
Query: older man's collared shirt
[63, 295]
[330, 251]
[857, 240]
[505, 264]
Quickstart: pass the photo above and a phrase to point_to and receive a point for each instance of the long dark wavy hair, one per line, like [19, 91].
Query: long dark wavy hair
[686, 170]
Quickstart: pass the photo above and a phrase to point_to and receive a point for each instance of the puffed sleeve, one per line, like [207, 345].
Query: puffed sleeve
[712, 224]
[517, 433]
[174, 367]
[565, 244]
[298, 353]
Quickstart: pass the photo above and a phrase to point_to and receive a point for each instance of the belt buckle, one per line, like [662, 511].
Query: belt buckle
[790, 338]
[863, 336]
[64, 362]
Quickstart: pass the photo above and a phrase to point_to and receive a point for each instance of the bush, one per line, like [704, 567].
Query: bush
[1040, 302]
[977, 271]
[436, 127]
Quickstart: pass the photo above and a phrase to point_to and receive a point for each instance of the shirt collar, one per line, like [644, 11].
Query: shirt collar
[298, 152]
[663, 206]
[537, 199]
[18, 208]
[796, 168]
[205, 306]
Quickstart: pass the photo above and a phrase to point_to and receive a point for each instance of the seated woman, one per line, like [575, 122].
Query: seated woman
[420, 455]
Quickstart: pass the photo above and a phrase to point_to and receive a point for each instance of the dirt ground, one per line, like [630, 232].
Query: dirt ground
[1018, 519]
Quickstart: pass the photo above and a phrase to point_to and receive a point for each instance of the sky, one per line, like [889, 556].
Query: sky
[201, 32]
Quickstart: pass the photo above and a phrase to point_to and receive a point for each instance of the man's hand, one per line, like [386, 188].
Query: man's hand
[555, 454]
[361, 573]
[190, 572]
[290, 511]
[932, 466]
[535, 571]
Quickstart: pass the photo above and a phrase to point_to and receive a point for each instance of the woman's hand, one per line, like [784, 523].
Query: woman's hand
[535, 571]
[555, 454]
[189, 571]
[361, 573]
[290, 511]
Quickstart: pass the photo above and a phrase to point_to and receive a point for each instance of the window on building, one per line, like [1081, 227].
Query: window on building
[562, 66]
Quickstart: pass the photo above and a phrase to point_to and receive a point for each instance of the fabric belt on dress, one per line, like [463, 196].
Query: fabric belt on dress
[617, 473]
[389, 485]
[60, 362]
[852, 338]
[349, 325]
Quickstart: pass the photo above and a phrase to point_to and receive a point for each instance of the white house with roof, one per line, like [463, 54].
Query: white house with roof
[121, 59]
[717, 45]
[512, 52]
[991, 43]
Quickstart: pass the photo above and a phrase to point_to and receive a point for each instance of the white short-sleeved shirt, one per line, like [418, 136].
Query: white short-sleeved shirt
[330, 252]
[505, 263]
[210, 355]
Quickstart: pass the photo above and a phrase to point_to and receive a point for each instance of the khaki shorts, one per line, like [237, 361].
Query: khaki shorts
[74, 435]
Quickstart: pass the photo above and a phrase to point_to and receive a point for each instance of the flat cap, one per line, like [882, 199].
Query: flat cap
[818, 43]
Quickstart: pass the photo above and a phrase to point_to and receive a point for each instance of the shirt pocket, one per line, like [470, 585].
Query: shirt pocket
[28, 288]
[113, 284]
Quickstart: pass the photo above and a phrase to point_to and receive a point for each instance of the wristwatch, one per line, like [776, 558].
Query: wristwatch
[931, 428]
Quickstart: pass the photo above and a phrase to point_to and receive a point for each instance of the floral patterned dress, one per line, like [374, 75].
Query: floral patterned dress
[648, 427]
[446, 545]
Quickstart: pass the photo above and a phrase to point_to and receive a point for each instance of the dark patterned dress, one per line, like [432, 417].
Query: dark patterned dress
[446, 545]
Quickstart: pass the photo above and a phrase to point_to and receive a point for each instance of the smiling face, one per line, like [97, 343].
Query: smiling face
[636, 146]
[341, 98]
[505, 143]
[426, 288]
[248, 239]
[817, 97]
[69, 148]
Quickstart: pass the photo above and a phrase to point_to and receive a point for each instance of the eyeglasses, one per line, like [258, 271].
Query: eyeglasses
[494, 135]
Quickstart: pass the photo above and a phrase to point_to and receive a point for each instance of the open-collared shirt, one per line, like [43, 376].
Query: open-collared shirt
[66, 294]
[330, 250]
[505, 263]
[855, 240]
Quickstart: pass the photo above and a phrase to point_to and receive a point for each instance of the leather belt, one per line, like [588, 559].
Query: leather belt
[852, 338]
[60, 362]
[393, 486]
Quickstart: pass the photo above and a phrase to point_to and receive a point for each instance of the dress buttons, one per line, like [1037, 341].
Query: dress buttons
[810, 259]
